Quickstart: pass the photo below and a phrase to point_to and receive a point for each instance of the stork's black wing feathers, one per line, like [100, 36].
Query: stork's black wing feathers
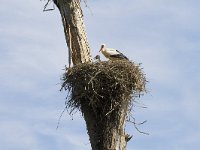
[120, 55]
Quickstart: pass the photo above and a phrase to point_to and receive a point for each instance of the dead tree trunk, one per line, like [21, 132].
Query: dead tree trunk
[74, 29]
[107, 132]
[104, 134]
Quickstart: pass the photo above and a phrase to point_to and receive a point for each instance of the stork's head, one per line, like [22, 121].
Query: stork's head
[102, 47]
[97, 57]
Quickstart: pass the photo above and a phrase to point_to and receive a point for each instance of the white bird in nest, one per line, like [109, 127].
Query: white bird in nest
[112, 54]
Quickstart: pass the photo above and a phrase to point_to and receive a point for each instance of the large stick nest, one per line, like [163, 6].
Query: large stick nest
[105, 85]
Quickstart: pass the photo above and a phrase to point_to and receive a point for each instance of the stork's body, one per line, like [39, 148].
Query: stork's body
[112, 54]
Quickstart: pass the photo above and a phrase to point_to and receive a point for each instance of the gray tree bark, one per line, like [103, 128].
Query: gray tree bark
[113, 137]
[74, 29]
[104, 133]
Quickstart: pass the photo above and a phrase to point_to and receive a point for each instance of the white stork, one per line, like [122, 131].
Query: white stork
[112, 54]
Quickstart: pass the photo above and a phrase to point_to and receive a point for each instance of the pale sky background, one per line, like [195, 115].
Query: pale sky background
[163, 35]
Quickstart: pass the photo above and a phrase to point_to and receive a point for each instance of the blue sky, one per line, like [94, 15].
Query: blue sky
[163, 35]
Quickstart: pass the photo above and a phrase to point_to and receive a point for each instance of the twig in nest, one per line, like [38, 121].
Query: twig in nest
[60, 117]
[92, 78]
[135, 125]
[139, 104]
[97, 94]
[112, 109]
